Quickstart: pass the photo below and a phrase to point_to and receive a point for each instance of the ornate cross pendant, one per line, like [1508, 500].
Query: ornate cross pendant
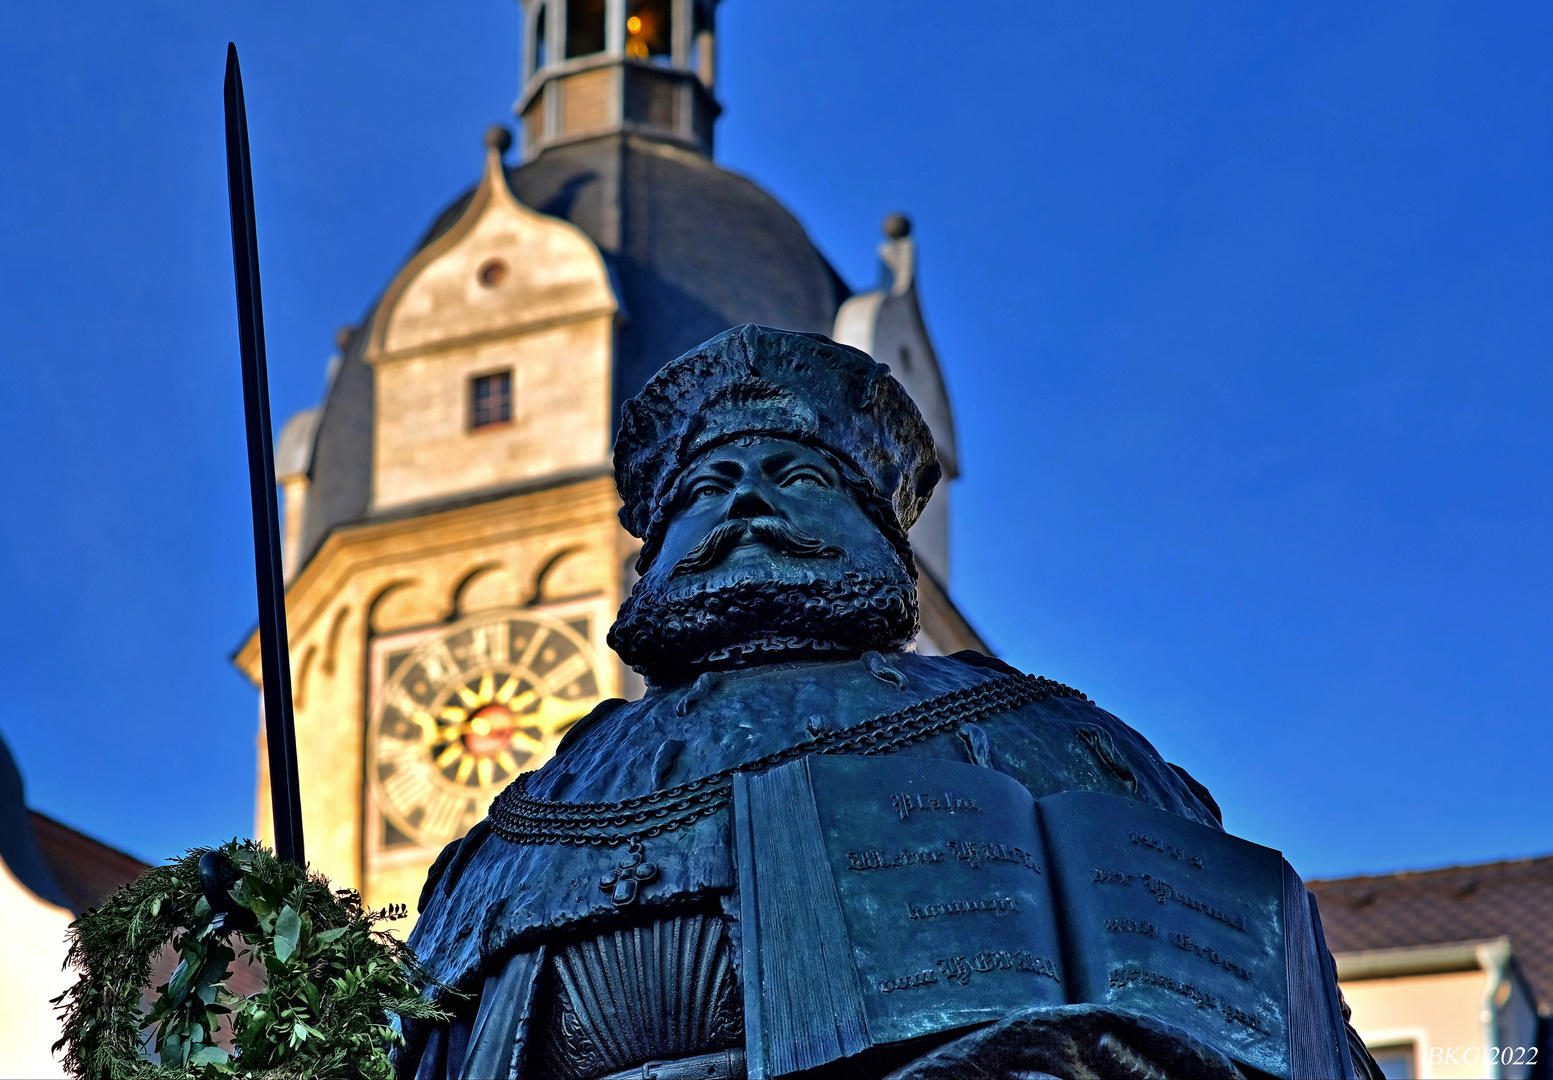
[625, 879]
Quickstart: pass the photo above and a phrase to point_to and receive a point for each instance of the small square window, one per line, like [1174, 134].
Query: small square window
[490, 399]
[1397, 1061]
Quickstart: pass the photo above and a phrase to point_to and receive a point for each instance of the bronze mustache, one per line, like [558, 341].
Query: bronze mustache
[774, 532]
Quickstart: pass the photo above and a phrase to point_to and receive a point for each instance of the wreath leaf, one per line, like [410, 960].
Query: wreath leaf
[288, 929]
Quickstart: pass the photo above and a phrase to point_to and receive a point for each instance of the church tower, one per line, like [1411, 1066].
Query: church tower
[453, 557]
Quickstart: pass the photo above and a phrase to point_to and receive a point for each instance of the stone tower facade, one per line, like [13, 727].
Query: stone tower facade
[452, 549]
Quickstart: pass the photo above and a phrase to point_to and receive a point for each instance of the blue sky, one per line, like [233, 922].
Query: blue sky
[1245, 312]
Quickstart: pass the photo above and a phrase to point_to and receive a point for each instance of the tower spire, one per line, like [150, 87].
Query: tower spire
[597, 67]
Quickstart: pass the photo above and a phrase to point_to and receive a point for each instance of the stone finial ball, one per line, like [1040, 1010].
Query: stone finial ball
[498, 138]
[897, 226]
[342, 337]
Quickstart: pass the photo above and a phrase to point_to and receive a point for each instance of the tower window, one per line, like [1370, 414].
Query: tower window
[541, 38]
[584, 27]
[702, 40]
[1397, 1062]
[649, 30]
[490, 399]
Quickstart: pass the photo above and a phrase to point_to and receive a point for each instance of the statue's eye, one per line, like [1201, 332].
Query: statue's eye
[703, 489]
[805, 476]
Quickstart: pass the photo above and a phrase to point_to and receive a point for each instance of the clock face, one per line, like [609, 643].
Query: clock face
[463, 712]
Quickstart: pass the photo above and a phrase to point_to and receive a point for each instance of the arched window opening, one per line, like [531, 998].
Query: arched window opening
[541, 38]
[701, 34]
[584, 27]
[650, 31]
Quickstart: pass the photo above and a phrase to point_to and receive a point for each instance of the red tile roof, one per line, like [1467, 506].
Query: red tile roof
[1455, 903]
[89, 871]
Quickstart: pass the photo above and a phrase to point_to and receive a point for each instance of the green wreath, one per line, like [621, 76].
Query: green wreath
[333, 981]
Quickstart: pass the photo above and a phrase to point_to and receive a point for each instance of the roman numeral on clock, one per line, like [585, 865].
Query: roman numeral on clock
[566, 672]
[488, 643]
[408, 787]
[438, 664]
[441, 815]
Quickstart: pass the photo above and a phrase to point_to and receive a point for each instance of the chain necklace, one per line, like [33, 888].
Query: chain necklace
[523, 819]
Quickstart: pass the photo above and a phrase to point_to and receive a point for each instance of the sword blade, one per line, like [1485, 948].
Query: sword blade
[279, 725]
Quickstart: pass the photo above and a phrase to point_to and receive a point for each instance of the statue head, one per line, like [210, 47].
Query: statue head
[772, 477]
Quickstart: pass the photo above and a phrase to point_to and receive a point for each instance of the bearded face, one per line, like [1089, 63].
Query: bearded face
[767, 555]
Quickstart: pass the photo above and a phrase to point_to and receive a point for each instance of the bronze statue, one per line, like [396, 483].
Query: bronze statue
[593, 920]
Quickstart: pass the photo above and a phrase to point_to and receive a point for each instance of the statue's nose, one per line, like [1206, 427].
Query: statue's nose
[749, 501]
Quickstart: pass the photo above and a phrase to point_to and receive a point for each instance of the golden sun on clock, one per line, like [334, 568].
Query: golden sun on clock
[462, 712]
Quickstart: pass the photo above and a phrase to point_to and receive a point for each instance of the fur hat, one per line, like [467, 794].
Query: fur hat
[756, 381]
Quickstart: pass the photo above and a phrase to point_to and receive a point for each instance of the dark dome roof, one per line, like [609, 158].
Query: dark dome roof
[695, 248]
[692, 250]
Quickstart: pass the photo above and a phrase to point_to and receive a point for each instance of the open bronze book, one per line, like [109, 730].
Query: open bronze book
[886, 900]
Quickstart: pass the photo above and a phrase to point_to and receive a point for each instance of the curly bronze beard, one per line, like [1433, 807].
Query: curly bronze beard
[670, 635]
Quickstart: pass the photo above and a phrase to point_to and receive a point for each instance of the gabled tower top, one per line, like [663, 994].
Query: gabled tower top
[594, 67]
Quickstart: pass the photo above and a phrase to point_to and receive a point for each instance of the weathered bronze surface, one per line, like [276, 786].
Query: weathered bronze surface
[772, 478]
